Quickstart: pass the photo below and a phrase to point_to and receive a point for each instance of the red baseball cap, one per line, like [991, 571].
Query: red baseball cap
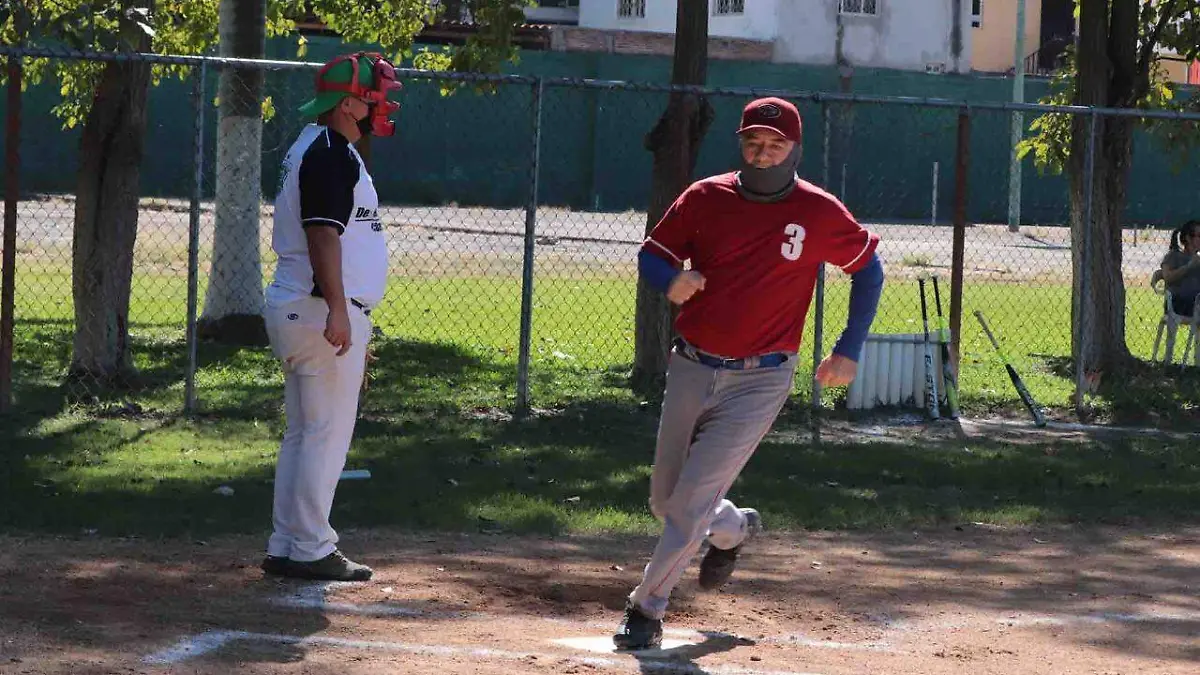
[772, 113]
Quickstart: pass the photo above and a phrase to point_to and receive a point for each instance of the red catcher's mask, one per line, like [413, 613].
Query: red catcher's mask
[383, 78]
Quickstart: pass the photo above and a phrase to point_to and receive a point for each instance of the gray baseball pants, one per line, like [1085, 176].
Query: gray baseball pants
[712, 421]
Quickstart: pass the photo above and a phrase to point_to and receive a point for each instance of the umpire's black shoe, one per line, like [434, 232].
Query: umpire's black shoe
[718, 563]
[333, 567]
[638, 631]
[275, 565]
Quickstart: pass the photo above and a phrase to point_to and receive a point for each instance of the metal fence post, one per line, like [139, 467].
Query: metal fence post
[531, 206]
[819, 300]
[933, 200]
[12, 172]
[1085, 256]
[193, 281]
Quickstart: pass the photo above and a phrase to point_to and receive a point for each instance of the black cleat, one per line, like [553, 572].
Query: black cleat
[718, 563]
[638, 631]
[275, 565]
[333, 567]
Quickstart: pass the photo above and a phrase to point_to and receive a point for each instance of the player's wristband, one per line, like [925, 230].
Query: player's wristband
[656, 271]
[866, 286]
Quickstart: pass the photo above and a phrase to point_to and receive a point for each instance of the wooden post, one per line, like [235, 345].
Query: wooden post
[961, 165]
[12, 169]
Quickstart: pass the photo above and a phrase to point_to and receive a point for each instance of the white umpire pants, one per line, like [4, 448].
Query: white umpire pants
[321, 402]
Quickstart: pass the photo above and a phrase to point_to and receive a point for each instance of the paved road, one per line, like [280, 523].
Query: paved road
[601, 241]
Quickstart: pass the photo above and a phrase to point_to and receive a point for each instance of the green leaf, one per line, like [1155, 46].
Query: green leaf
[188, 27]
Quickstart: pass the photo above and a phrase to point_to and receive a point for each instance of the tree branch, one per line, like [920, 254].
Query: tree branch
[1193, 41]
[1148, 51]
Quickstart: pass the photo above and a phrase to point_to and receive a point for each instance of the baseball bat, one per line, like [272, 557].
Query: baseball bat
[949, 377]
[931, 395]
[1022, 390]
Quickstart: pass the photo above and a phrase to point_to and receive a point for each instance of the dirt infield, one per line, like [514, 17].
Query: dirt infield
[965, 598]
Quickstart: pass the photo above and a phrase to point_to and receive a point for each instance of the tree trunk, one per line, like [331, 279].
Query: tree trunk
[1107, 67]
[1102, 346]
[106, 213]
[452, 11]
[233, 304]
[675, 141]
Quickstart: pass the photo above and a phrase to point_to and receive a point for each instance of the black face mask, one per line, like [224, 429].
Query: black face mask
[364, 125]
[772, 183]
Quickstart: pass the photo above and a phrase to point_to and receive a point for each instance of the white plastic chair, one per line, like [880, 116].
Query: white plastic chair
[1170, 322]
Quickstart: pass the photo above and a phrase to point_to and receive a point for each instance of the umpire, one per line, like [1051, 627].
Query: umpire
[332, 270]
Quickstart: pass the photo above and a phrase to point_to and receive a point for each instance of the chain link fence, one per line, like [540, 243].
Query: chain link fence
[514, 208]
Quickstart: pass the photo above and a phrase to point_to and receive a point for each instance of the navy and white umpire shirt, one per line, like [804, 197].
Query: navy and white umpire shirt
[324, 183]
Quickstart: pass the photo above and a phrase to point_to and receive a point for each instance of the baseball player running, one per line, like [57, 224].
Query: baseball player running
[755, 239]
[332, 270]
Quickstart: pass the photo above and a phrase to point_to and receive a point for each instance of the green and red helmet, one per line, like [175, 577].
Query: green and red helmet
[365, 75]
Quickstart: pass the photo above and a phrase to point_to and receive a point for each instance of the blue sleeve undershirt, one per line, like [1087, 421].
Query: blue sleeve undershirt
[866, 286]
[657, 271]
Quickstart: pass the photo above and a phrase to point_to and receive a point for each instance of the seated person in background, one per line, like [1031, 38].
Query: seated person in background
[1181, 268]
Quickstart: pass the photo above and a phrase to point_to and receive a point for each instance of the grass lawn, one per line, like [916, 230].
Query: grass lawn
[444, 455]
[442, 458]
[583, 338]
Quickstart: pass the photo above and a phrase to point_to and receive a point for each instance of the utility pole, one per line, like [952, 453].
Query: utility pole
[1018, 123]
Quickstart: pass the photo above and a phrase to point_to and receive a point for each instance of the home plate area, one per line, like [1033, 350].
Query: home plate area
[412, 638]
[948, 600]
[982, 600]
[391, 636]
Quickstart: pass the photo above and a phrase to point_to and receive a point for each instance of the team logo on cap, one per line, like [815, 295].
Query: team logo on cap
[769, 111]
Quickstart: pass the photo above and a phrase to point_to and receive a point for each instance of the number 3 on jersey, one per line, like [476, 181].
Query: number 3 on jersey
[794, 246]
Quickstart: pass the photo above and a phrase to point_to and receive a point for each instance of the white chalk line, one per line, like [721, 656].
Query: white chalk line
[194, 647]
[802, 640]
[1102, 618]
[208, 642]
[313, 597]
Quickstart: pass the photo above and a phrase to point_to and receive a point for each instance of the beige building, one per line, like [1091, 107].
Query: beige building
[1049, 27]
[994, 30]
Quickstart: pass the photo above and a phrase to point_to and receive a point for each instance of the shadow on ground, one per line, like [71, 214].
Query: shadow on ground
[1144, 393]
[445, 454]
[1091, 592]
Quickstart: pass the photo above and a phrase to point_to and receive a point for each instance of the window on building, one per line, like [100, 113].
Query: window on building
[868, 7]
[976, 13]
[726, 7]
[631, 9]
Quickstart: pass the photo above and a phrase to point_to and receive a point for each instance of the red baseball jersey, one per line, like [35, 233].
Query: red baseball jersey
[759, 262]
